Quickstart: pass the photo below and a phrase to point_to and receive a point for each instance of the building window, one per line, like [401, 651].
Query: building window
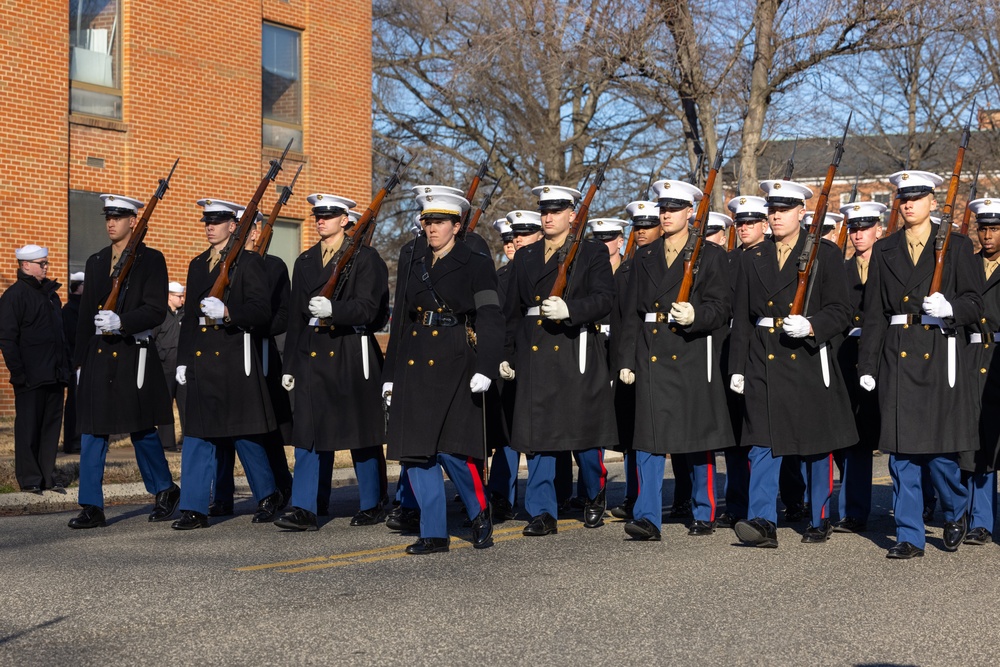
[281, 87]
[94, 58]
[883, 198]
[87, 230]
[286, 241]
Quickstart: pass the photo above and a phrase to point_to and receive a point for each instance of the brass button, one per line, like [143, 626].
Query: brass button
[789, 305]
[770, 330]
[983, 321]
[982, 370]
[903, 354]
[674, 357]
[534, 348]
[857, 318]
[198, 353]
[654, 330]
[99, 350]
[312, 354]
[430, 362]
[555, 348]
[770, 356]
[434, 332]
[906, 326]
[204, 329]
[674, 329]
[987, 345]
[905, 299]
[332, 327]
[770, 303]
[420, 309]
[413, 333]
[410, 362]
[539, 323]
[538, 298]
[927, 356]
[793, 356]
[653, 358]
[317, 330]
[440, 310]
[656, 305]
[216, 353]
[331, 353]
[114, 354]
[216, 327]
[927, 327]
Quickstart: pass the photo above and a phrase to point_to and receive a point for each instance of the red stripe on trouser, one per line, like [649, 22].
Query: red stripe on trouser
[604, 470]
[477, 482]
[711, 483]
[829, 463]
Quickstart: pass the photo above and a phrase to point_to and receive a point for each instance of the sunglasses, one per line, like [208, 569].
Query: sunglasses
[42, 263]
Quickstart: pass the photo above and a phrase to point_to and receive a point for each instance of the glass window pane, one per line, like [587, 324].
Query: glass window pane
[87, 231]
[93, 39]
[94, 103]
[281, 86]
[286, 241]
[278, 136]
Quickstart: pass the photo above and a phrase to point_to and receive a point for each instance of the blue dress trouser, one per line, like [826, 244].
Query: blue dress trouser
[540, 492]
[982, 500]
[855, 500]
[908, 494]
[503, 473]
[148, 456]
[649, 503]
[198, 474]
[316, 472]
[427, 481]
[765, 471]
[404, 490]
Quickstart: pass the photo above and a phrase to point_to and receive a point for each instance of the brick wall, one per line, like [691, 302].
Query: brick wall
[191, 89]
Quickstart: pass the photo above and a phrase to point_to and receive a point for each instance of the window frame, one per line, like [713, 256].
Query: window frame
[298, 127]
[116, 49]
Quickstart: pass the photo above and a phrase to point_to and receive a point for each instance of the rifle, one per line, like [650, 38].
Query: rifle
[695, 176]
[811, 248]
[692, 249]
[842, 234]
[944, 229]
[576, 232]
[967, 214]
[632, 240]
[790, 165]
[119, 275]
[267, 230]
[364, 228]
[468, 226]
[234, 247]
[483, 205]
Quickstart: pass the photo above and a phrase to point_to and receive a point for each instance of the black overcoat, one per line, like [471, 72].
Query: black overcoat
[336, 406]
[987, 371]
[680, 403]
[433, 411]
[863, 403]
[279, 287]
[789, 406]
[921, 412]
[109, 399]
[223, 399]
[558, 407]
[31, 334]
[624, 393]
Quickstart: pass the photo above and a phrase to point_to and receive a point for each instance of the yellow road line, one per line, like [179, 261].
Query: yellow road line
[381, 553]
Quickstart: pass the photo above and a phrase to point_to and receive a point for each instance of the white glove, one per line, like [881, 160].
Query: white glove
[736, 383]
[626, 376]
[555, 308]
[182, 377]
[387, 392]
[506, 372]
[867, 382]
[796, 326]
[213, 307]
[479, 383]
[320, 307]
[108, 321]
[683, 313]
[288, 382]
[936, 305]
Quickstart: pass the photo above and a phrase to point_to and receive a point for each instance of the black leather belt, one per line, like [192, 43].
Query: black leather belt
[432, 319]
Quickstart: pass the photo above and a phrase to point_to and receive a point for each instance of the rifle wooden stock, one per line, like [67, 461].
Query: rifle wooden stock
[893, 216]
[816, 236]
[731, 237]
[576, 233]
[127, 260]
[692, 251]
[264, 238]
[944, 231]
[630, 246]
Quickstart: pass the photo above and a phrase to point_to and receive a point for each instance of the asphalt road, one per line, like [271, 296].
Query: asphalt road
[243, 594]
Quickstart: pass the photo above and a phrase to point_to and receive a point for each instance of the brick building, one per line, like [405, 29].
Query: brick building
[103, 95]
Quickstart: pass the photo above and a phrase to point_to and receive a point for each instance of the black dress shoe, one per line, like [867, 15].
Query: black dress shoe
[543, 524]
[978, 536]
[220, 509]
[268, 508]
[758, 532]
[369, 517]
[190, 520]
[642, 530]
[726, 519]
[681, 510]
[90, 517]
[58, 488]
[850, 525]
[37, 490]
[428, 545]
[593, 512]
[796, 512]
[905, 551]
[624, 511]
[701, 528]
[482, 529]
[166, 503]
[404, 519]
[297, 519]
[954, 533]
[502, 510]
[817, 534]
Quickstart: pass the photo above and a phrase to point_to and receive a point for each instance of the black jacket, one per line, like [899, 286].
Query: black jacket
[31, 334]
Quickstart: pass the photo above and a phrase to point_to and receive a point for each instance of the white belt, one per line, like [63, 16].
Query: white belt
[534, 311]
[855, 332]
[141, 337]
[658, 317]
[765, 321]
[207, 321]
[977, 338]
[924, 319]
[605, 329]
